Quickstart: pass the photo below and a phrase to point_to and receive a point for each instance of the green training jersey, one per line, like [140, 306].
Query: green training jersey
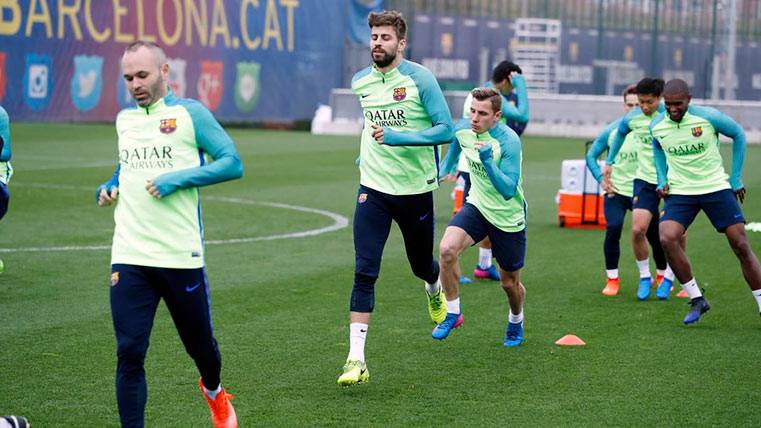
[408, 103]
[625, 168]
[167, 143]
[691, 150]
[514, 110]
[496, 186]
[638, 123]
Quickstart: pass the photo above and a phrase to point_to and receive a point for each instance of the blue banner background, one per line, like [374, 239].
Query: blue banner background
[295, 75]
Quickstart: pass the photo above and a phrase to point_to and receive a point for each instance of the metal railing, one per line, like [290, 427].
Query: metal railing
[686, 17]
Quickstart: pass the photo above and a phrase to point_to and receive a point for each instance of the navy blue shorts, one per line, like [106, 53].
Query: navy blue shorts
[721, 208]
[645, 196]
[615, 207]
[4, 199]
[509, 248]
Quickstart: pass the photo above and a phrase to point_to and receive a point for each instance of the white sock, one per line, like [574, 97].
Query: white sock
[515, 319]
[213, 394]
[453, 306]
[669, 274]
[433, 289]
[357, 336]
[484, 258]
[644, 268]
[660, 272]
[612, 273]
[757, 295]
[691, 287]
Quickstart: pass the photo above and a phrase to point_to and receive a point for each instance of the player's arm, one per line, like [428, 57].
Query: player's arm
[599, 145]
[5, 136]
[449, 164]
[107, 192]
[661, 166]
[212, 139]
[618, 141]
[725, 125]
[504, 176]
[510, 111]
[437, 108]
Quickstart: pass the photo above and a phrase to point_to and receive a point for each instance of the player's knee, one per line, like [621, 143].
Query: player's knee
[639, 230]
[509, 283]
[363, 293]
[130, 355]
[741, 248]
[448, 253]
[668, 238]
[613, 231]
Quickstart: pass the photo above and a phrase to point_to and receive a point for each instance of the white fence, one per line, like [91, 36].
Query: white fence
[577, 116]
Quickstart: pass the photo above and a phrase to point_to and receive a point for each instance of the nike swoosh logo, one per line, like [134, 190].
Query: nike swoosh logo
[365, 96]
[192, 288]
[423, 217]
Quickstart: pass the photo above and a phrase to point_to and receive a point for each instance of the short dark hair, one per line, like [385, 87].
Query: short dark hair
[482, 94]
[152, 46]
[391, 18]
[503, 69]
[676, 86]
[631, 89]
[650, 86]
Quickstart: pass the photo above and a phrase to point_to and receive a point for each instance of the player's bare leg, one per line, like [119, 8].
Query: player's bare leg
[452, 245]
[516, 295]
[641, 219]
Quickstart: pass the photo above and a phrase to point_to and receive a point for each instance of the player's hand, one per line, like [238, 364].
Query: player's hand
[106, 198]
[608, 187]
[378, 133]
[662, 193]
[484, 150]
[740, 194]
[606, 171]
[150, 186]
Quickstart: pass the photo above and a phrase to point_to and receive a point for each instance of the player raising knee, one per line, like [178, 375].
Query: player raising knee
[406, 116]
[495, 208]
[691, 177]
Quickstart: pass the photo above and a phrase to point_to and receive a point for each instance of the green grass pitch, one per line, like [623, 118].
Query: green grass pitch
[281, 307]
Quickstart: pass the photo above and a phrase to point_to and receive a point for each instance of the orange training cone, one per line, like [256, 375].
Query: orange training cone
[570, 340]
[683, 294]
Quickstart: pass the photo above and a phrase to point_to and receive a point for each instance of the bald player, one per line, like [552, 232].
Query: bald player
[691, 178]
[157, 251]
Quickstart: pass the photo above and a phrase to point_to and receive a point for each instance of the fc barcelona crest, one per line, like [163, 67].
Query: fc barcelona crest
[697, 131]
[400, 94]
[168, 126]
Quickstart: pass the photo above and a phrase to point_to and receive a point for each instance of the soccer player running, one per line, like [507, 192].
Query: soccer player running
[507, 79]
[495, 207]
[691, 177]
[618, 197]
[645, 200]
[406, 116]
[5, 165]
[157, 251]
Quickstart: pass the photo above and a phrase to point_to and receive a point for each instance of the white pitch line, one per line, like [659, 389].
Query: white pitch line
[339, 222]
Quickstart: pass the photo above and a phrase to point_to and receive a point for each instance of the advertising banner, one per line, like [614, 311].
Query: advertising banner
[246, 60]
